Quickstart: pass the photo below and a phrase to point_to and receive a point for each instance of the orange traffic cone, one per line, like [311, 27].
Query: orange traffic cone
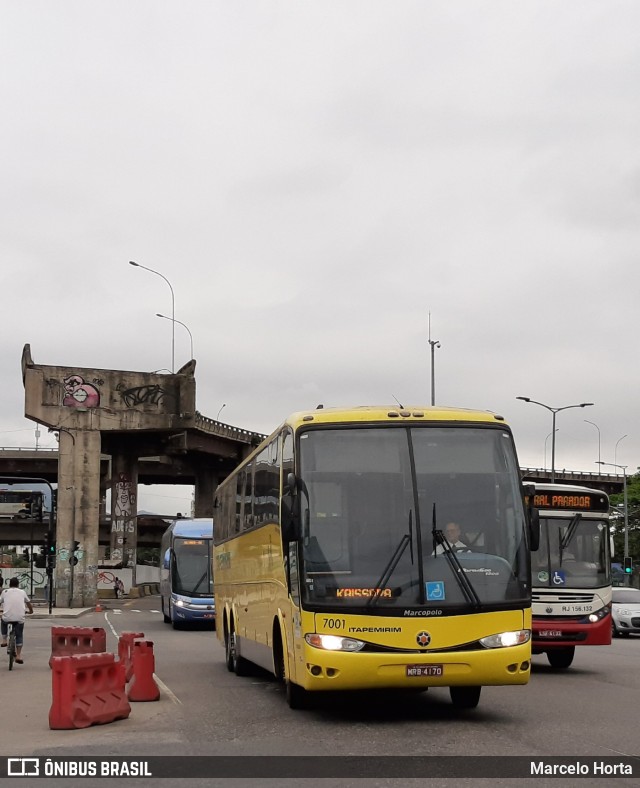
[98, 607]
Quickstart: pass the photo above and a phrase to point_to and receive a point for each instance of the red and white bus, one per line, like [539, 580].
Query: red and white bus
[571, 572]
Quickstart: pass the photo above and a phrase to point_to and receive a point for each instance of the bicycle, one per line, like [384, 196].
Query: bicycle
[12, 649]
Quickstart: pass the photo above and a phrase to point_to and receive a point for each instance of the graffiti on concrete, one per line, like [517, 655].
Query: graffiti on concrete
[124, 520]
[78, 394]
[125, 498]
[145, 395]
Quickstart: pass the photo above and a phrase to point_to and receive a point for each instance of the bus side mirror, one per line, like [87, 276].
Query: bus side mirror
[290, 520]
[534, 529]
[166, 561]
[533, 517]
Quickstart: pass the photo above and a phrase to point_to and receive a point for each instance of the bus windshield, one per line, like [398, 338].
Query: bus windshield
[192, 567]
[375, 502]
[573, 552]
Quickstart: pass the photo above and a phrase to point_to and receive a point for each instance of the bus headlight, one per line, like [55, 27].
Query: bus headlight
[180, 602]
[600, 614]
[505, 639]
[334, 642]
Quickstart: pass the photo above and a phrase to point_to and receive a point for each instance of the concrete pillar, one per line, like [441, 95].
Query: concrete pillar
[124, 507]
[76, 575]
[205, 488]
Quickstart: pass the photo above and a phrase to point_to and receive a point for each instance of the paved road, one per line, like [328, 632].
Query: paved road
[589, 710]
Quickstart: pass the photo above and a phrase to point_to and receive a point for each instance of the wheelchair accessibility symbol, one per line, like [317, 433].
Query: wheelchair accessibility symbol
[558, 578]
[435, 591]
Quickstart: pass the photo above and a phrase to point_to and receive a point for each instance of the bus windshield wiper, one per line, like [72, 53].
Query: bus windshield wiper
[569, 533]
[197, 585]
[458, 572]
[406, 539]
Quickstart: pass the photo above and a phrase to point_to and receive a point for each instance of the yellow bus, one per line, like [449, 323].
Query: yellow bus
[337, 563]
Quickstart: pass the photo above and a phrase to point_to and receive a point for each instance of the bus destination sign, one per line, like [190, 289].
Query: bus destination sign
[575, 500]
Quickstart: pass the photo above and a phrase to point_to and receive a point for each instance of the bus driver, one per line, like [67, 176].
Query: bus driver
[452, 532]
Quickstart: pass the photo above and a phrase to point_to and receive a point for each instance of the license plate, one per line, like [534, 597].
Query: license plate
[416, 671]
[209, 615]
[550, 633]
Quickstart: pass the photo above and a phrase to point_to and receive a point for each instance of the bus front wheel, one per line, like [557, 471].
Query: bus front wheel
[297, 696]
[165, 617]
[465, 697]
[561, 657]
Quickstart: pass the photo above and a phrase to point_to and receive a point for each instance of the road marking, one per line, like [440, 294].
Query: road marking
[171, 695]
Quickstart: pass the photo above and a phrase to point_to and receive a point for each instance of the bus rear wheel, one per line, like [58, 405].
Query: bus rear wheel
[235, 663]
[228, 646]
[465, 697]
[561, 657]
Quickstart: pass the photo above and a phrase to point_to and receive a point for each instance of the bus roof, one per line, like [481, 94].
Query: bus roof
[200, 526]
[387, 412]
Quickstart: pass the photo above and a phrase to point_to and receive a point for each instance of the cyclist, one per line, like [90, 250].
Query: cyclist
[15, 604]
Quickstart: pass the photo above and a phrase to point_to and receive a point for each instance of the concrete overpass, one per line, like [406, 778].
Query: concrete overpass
[117, 428]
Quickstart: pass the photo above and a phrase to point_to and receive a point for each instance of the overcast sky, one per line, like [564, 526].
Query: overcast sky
[314, 178]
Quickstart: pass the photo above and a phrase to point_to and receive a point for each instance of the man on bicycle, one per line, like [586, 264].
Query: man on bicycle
[15, 604]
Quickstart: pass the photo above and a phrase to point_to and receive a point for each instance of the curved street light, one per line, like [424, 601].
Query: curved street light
[598, 428]
[220, 411]
[173, 311]
[166, 317]
[553, 427]
[545, 448]
[623, 468]
[615, 451]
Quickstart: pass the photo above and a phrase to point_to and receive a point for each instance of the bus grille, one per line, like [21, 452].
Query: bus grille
[554, 596]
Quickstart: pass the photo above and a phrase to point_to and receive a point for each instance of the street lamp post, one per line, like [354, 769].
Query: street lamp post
[545, 448]
[553, 427]
[173, 311]
[166, 317]
[598, 428]
[220, 411]
[615, 451]
[626, 509]
[434, 344]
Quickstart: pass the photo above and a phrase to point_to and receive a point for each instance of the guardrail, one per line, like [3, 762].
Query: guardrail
[237, 433]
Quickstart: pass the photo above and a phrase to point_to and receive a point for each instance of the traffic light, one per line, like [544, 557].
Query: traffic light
[50, 549]
[37, 507]
[25, 554]
[628, 564]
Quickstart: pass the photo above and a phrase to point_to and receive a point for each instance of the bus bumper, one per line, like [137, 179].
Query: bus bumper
[559, 632]
[191, 613]
[331, 670]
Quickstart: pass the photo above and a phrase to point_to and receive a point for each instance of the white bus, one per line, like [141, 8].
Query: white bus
[571, 572]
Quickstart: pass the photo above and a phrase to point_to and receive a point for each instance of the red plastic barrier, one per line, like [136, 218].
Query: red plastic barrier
[125, 650]
[143, 686]
[87, 689]
[67, 641]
